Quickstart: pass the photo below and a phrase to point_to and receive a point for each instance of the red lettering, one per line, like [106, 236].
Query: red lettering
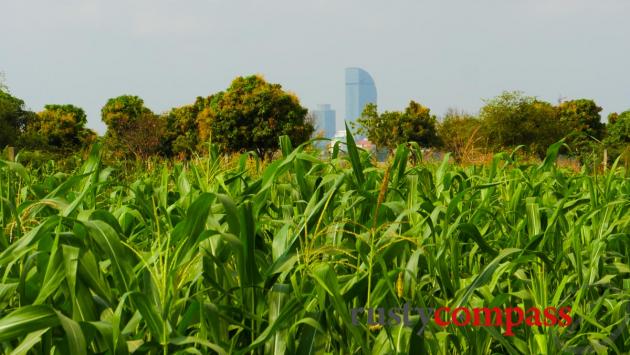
[550, 316]
[566, 318]
[439, 320]
[509, 322]
[498, 316]
[456, 320]
[534, 318]
[514, 316]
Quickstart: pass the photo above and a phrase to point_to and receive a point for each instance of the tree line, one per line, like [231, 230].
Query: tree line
[251, 114]
[507, 121]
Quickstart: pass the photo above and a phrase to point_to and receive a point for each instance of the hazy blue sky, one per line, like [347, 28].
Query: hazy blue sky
[441, 53]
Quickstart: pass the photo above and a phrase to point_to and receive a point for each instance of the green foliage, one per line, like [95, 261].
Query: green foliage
[581, 120]
[391, 128]
[120, 112]
[512, 119]
[209, 257]
[132, 129]
[582, 115]
[376, 127]
[204, 119]
[14, 118]
[61, 128]
[57, 128]
[49, 161]
[181, 135]
[251, 114]
[618, 139]
[460, 133]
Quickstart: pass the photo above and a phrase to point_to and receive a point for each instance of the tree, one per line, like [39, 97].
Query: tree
[145, 136]
[391, 128]
[617, 140]
[251, 114]
[182, 135]
[14, 118]
[459, 133]
[581, 120]
[417, 124]
[62, 127]
[132, 129]
[513, 119]
[377, 127]
[204, 119]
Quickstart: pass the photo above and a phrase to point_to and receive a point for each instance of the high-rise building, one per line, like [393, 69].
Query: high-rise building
[360, 90]
[325, 120]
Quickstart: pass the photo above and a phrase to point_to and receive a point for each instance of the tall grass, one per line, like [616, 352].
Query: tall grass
[270, 258]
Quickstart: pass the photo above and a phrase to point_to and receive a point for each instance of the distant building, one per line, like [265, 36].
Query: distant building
[325, 120]
[360, 90]
[340, 136]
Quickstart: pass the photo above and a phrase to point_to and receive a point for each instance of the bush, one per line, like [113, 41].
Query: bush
[512, 119]
[391, 128]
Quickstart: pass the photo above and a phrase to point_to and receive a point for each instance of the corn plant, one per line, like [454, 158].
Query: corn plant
[271, 258]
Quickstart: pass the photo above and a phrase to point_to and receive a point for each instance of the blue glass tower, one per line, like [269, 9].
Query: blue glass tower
[325, 120]
[360, 90]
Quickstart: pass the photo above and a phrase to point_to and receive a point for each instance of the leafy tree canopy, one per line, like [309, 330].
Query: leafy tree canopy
[582, 115]
[581, 122]
[512, 119]
[459, 133]
[251, 114]
[618, 138]
[205, 113]
[122, 111]
[391, 128]
[62, 127]
[132, 128]
[14, 118]
[182, 135]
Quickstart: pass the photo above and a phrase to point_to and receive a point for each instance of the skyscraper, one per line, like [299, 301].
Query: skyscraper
[360, 90]
[325, 120]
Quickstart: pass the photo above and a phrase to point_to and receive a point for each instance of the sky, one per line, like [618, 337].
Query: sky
[443, 54]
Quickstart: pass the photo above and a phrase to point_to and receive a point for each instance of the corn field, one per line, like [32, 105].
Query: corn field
[202, 259]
